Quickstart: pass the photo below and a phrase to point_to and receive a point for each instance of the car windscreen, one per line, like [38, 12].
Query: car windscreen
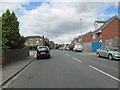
[42, 48]
[78, 46]
[114, 49]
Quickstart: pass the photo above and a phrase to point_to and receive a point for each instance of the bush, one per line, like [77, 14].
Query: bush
[32, 47]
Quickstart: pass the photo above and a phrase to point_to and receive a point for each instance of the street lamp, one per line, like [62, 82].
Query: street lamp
[81, 26]
[81, 30]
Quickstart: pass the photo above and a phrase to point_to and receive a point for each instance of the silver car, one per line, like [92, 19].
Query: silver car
[109, 52]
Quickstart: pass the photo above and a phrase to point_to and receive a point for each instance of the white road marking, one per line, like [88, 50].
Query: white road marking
[76, 59]
[67, 54]
[105, 73]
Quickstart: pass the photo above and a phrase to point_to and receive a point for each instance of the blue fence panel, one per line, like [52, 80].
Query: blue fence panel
[95, 46]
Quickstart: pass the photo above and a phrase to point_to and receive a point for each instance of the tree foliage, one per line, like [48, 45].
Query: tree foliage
[58, 46]
[11, 37]
[47, 44]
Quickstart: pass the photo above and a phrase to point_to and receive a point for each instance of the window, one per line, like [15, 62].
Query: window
[37, 41]
[40, 39]
[94, 36]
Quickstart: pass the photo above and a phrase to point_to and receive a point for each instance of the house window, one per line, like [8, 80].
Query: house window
[100, 36]
[37, 41]
[40, 39]
[94, 36]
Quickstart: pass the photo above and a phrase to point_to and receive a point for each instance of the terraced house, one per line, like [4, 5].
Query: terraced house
[106, 33]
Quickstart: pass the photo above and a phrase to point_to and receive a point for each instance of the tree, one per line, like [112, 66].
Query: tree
[0, 33]
[11, 37]
[47, 44]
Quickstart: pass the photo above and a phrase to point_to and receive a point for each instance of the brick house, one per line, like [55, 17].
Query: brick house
[96, 34]
[47, 40]
[74, 42]
[87, 37]
[51, 44]
[107, 33]
[34, 41]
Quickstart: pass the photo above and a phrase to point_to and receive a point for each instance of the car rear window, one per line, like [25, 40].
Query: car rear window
[42, 48]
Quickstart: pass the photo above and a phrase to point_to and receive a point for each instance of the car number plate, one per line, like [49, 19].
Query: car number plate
[42, 53]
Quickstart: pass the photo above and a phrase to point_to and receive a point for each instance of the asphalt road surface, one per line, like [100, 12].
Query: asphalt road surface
[67, 69]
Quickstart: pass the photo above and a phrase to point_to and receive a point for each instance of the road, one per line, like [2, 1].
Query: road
[67, 69]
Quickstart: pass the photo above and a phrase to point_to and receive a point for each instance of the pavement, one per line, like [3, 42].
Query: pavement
[89, 53]
[10, 70]
[67, 69]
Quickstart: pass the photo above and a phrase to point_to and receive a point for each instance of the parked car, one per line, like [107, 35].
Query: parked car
[78, 48]
[67, 48]
[60, 48]
[43, 52]
[109, 52]
[71, 48]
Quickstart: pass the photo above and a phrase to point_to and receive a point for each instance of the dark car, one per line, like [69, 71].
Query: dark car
[43, 52]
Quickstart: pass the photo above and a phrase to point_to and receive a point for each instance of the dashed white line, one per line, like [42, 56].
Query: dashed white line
[67, 54]
[76, 59]
[105, 73]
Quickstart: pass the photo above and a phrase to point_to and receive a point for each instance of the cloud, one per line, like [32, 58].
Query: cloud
[56, 20]
[60, 21]
[13, 5]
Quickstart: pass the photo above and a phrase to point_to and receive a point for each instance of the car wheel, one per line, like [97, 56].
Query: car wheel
[98, 55]
[37, 58]
[110, 57]
[49, 57]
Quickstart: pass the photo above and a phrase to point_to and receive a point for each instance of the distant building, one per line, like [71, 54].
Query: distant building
[46, 40]
[34, 41]
[51, 44]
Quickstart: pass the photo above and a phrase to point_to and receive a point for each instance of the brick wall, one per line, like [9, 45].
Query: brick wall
[9, 56]
[111, 42]
[87, 38]
[96, 38]
[110, 31]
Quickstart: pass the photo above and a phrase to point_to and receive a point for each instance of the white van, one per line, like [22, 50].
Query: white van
[78, 48]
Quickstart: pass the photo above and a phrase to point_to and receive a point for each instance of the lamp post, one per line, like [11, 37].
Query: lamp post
[81, 30]
[81, 26]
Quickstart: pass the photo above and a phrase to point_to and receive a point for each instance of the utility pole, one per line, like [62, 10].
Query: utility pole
[81, 26]
[81, 30]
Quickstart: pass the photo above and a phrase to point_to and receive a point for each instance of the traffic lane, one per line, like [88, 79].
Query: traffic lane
[106, 65]
[61, 71]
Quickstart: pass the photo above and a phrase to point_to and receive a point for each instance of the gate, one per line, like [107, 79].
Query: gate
[95, 46]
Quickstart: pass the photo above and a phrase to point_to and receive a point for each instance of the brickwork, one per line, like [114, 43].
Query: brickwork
[87, 38]
[110, 31]
[9, 56]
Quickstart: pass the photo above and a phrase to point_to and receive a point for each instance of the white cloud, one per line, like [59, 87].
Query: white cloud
[12, 4]
[60, 21]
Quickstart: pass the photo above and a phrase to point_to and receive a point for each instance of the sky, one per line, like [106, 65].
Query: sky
[59, 21]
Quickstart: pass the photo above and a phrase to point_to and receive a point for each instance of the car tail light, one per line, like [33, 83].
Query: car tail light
[48, 52]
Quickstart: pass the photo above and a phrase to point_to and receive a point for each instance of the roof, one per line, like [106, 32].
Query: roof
[85, 34]
[106, 23]
[99, 21]
[33, 37]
